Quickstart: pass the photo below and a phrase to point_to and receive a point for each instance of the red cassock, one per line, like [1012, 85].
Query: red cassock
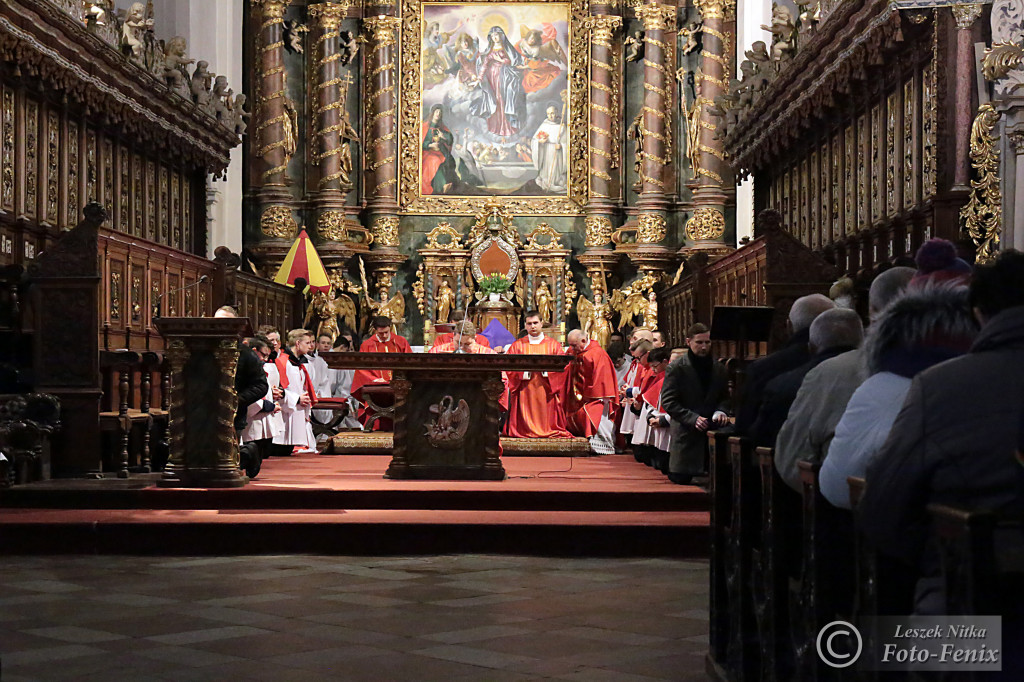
[362, 377]
[535, 405]
[590, 381]
[477, 349]
[442, 339]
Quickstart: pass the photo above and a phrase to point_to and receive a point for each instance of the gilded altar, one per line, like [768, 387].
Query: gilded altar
[388, 130]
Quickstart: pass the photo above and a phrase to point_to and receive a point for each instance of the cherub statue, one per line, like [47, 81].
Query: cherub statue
[445, 301]
[175, 61]
[807, 11]
[758, 55]
[202, 79]
[690, 33]
[783, 30]
[545, 306]
[634, 47]
[239, 114]
[96, 12]
[293, 31]
[221, 99]
[133, 30]
[348, 46]
[595, 317]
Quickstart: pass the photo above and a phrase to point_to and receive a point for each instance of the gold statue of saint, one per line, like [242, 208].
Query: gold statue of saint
[651, 310]
[595, 317]
[545, 306]
[445, 301]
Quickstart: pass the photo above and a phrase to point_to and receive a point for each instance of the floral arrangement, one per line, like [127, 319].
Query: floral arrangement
[495, 283]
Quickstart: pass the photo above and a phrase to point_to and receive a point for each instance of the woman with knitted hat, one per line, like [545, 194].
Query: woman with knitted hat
[926, 325]
[937, 261]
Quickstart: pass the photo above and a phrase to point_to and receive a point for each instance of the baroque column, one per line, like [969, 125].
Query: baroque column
[275, 136]
[656, 121]
[965, 15]
[604, 137]
[331, 134]
[706, 227]
[381, 134]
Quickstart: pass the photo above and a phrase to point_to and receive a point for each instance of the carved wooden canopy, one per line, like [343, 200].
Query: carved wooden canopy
[46, 45]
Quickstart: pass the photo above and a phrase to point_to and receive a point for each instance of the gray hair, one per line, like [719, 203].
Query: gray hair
[806, 308]
[836, 328]
[887, 286]
[577, 334]
[936, 312]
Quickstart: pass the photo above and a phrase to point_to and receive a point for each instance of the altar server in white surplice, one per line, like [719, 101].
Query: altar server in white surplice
[549, 146]
[299, 392]
[323, 376]
[264, 416]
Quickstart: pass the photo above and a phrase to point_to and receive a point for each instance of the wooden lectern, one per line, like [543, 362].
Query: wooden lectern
[202, 353]
[446, 409]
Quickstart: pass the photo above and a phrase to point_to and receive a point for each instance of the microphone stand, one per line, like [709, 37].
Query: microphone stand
[462, 327]
[160, 299]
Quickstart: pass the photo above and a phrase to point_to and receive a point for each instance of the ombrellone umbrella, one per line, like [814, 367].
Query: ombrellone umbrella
[302, 261]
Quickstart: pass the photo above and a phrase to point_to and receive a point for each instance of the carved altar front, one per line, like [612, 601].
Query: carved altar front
[446, 409]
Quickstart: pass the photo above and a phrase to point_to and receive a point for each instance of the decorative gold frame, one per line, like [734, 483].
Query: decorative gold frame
[409, 198]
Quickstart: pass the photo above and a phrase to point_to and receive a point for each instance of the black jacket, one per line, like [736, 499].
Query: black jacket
[763, 370]
[250, 383]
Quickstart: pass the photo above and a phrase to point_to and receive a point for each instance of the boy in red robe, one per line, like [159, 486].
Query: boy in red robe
[382, 341]
[535, 409]
[591, 393]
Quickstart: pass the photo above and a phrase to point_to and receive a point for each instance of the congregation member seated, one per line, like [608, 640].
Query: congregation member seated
[826, 390]
[651, 432]
[591, 393]
[264, 416]
[383, 340]
[955, 439]
[793, 354]
[694, 396]
[923, 327]
[299, 395]
[535, 398]
[456, 318]
[833, 332]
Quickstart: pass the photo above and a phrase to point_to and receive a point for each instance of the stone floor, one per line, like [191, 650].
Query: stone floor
[305, 618]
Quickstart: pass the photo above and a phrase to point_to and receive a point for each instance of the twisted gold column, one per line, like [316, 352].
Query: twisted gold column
[326, 142]
[604, 112]
[275, 112]
[656, 122]
[380, 122]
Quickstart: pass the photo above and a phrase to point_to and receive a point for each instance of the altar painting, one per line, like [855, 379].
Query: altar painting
[495, 104]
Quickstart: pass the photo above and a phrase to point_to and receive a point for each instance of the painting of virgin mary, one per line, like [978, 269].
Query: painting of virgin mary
[499, 67]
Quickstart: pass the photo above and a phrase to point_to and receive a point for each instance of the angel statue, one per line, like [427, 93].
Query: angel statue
[628, 302]
[445, 301]
[545, 306]
[595, 317]
[320, 315]
[392, 308]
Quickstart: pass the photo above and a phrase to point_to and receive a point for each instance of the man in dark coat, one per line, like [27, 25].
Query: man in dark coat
[250, 386]
[955, 439]
[832, 333]
[795, 353]
[694, 395]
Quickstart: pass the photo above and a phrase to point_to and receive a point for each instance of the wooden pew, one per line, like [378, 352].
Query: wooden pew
[824, 590]
[718, 602]
[117, 416]
[743, 653]
[774, 551]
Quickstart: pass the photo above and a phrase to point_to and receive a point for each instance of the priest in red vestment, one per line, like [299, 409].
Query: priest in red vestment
[591, 393]
[535, 405]
[456, 319]
[382, 341]
[465, 342]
